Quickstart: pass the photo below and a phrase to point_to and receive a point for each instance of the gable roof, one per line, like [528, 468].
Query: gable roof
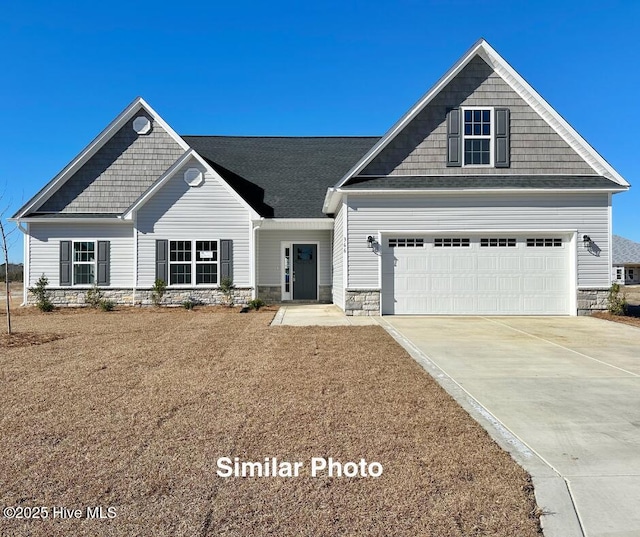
[482, 49]
[179, 164]
[281, 177]
[106, 136]
[625, 251]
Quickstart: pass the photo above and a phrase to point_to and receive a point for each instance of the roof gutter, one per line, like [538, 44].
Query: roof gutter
[331, 200]
[333, 196]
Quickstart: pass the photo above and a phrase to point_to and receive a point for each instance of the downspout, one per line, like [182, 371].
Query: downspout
[135, 258]
[256, 227]
[27, 256]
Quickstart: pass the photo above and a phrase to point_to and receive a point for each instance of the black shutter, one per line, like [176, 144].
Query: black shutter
[502, 158]
[65, 263]
[104, 253]
[162, 260]
[226, 259]
[454, 139]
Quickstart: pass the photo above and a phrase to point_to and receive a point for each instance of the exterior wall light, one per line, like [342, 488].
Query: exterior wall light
[370, 241]
[587, 240]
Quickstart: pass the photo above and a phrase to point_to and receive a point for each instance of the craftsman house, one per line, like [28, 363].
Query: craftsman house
[481, 199]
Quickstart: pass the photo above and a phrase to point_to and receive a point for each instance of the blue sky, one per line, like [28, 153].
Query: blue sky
[297, 68]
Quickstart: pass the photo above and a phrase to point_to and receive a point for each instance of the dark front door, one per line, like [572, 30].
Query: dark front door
[305, 272]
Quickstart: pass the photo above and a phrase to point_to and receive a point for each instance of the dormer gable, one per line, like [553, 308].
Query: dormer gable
[481, 118]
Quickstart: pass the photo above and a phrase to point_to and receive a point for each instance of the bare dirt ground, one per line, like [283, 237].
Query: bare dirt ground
[131, 409]
[632, 294]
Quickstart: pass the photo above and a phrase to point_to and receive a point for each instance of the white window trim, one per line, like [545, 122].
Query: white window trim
[491, 137]
[74, 263]
[193, 264]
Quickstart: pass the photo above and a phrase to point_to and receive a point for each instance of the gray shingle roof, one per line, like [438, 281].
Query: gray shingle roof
[282, 177]
[482, 181]
[625, 251]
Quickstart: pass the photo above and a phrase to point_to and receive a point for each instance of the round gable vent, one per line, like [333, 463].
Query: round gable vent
[193, 177]
[142, 125]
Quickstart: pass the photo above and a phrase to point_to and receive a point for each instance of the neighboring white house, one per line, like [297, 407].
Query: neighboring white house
[481, 199]
[626, 261]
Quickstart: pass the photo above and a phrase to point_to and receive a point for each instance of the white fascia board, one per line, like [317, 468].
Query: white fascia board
[549, 114]
[292, 224]
[412, 113]
[151, 191]
[330, 203]
[178, 139]
[334, 195]
[522, 88]
[94, 146]
[177, 165]
[71, 220]
[253, 214]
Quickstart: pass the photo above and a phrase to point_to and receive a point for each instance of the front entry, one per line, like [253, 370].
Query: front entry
[305, 271]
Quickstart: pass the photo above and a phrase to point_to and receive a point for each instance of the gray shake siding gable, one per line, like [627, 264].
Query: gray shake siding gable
[421, 148]
[114, 178]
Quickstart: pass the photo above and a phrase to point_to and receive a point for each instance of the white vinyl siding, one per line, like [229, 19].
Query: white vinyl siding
[339, 247]
[44, 249]
[586, 213]
[270, 253]
[180, 212]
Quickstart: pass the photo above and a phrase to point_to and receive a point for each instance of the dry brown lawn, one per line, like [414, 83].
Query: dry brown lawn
[632, 294]
[131, 409]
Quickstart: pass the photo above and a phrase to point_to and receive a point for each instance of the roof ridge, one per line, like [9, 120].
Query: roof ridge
[261, 136]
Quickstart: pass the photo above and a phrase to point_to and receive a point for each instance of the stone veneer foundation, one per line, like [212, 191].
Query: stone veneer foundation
[357, 302]
[362, 302]
[272, 294]
[125, 297]
[592, 300]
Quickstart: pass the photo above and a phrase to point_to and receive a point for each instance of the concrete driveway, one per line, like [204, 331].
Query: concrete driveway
[568, 388]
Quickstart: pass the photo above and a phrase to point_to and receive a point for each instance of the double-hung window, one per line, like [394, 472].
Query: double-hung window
[206, 262]
[193, 262]
[477, 133]
[180, 262]
[478, 136]
[84, 262]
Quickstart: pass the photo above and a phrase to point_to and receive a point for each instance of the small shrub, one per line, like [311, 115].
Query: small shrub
[256, 304]
[107, 305]
[94, 297]
[226, 286]
[158, 290]
[43, 302]
[188, 304]
[616, 301]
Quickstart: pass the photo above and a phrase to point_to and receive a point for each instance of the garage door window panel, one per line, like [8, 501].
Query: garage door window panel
[451, 242]
[544, 242]
[406, 243]
[498, 243]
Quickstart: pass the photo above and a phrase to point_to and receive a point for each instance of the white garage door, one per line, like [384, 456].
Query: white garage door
[467, 275]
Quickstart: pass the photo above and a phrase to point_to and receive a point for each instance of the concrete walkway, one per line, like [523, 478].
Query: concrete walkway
[562, 394]
[318, 315]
